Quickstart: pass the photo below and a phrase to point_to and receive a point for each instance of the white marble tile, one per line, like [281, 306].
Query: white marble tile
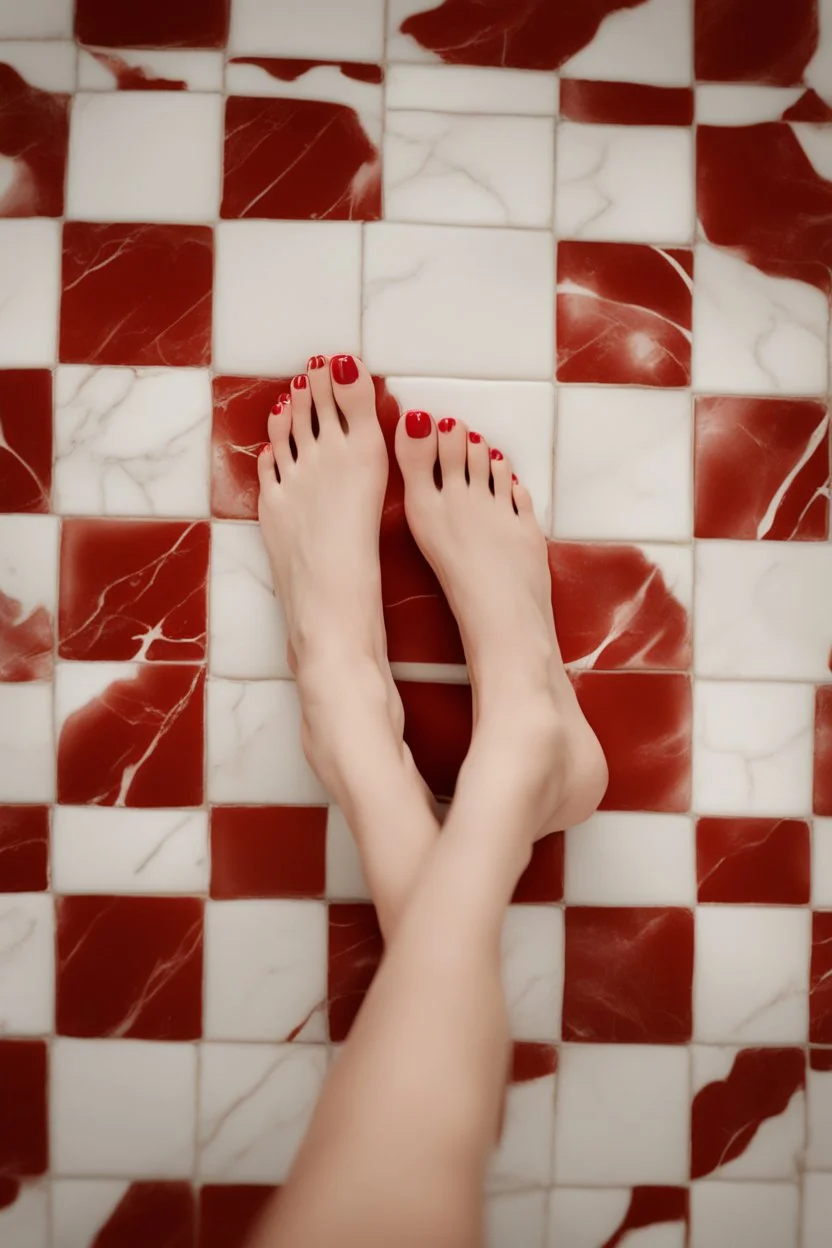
[625, 859]
[76, 684]
[752, 748]
[344, 874]
[309, 28]
[38, 19]
[100, 849]
[447, 301]
[27, 964]
[30, 266]
[523, 1157]
[319, 82]
[649, 43]
[472, 89]
[740, 996]
[46, 65]
[726, 1214]
[742, 104]
[81, 1207]
[516, 416]
[265, 970]
[452, 169]
[27, 762]
[99, 68]
[247, 624]
[145, 156]
[822, 864]
[623, 464]
[774, 1147]
[123, 1108]
[25, 1222]
[254, 749]
[255, 1104]
[818, 73]
[816, 142]
[755, 334]
[599, 194]
[28, 592]
[817, 1210]
[515, 1218]
[132, 441]
[532, 949]
[819, 1114]
[258, 328]
[593, 1216]
[763, 609]
[622, 1115]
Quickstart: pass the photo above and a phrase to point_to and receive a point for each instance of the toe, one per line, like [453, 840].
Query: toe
[302, 430]
[280, 427]
[479, 463]
[452, 438]
[501, 475]
[322, 395]
[352, 385]
[266, 473]
[522, 500]
[416, 453]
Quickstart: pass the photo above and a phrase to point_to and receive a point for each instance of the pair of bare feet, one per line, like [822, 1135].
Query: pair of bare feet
[323, 475]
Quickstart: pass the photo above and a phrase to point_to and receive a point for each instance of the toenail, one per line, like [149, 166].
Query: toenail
[417, 424]
[285, 398]
[495, 454]
[277, 409]
[300, 382]
[316, 361]
[473, 436]
[344, 369]
[265, 447]
[446, 424]
[515, 478]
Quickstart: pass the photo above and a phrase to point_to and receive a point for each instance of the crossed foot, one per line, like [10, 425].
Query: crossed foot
[322, 481]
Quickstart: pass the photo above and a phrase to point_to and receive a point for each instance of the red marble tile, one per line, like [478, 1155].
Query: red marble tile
[26, 641]
[727, 1115]
[139, 743]
[624, 314]
[153, 23]
[420, 625]
[438, 726]
[530, 1061]
[335, 168]
[34, 136]
[287, 69]
[764, 862]
[625, 103]
[820, 979]
[355, 949]
[643, 722]
[542, 881]
[822, 803]
[129, 967]
[133, 589]
[10, 1190]
[163, 1214]
[764, 41]
[134, 77]
[535, 35]
[229, 1213]
[24, 1130]
[759, 194]
[629, 975]
[137, 294]
[613, 609]
[24, 849]
[25, 439]
[820, 1060]
[761, 469]
[268, 851]
[652, 1206]
[810, 107]
[241, 411]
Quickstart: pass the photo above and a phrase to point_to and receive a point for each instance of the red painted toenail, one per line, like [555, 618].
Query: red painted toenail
[344, 369]
[265, 447]
[446, 424]
[285, 398]
[316, 361]
[495, 454]
[417, 424]
[515, 479]
[277, 409]
[473, 436]
[300, 382]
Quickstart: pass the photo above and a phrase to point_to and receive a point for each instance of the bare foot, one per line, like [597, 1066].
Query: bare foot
[480, 536]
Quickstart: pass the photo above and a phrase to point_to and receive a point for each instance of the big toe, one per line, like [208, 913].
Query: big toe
[352, 386]
[416, 452]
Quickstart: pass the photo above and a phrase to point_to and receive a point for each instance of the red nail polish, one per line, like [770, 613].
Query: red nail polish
[344, 369]
[277, 409]
[417, 424]
[285, 398]
[495, 454]
[515, 479]
[316, 361]
[300, 382]
[446, 424]
[264, 447]
[473, 436]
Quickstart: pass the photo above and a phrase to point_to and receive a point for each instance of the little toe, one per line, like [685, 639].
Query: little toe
[501, 475]
[265, 471]
[322, 395]
[302, 430]
[452, 439]
[416, 453]
[352, 385]
[479, 462]
[522, 500]
[280, 427]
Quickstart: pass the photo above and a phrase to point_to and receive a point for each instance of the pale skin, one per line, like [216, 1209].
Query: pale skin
[399, 1143]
